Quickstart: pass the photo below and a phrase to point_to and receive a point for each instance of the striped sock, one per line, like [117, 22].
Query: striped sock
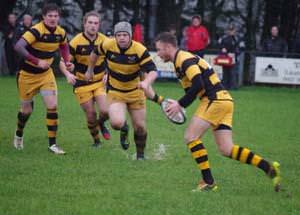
[52, 122]
[199, 153]
[22, 119]
[94, 130]
[244, 155]
[140, 143]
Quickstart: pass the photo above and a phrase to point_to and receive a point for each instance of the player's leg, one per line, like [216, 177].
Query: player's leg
[117, 117]
[50, 101]
[244, 155]
[195, 130]
[103, 115]
[223, 137]
[23, 116]
[91, 116]
[138, 117]
[48, 91]
[26, 92]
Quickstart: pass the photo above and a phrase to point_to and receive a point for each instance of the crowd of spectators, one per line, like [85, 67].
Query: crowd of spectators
[194, 38]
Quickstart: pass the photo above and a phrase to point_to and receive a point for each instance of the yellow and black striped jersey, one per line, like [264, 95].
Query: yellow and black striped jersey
[80, 49]
[188, 66]
[42, 44]
[125, 65]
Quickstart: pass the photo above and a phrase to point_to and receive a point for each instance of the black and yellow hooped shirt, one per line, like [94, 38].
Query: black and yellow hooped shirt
[188, 65]
[80, 49]
[125, 65]
[42, 44]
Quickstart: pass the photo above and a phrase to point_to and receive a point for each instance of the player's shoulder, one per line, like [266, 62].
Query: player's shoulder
[183, 56]
[78, 36]
[76, 39]
[38, 27]
[138, 45]
[60, 30]
[109, 43]
[137, 48]
[101, 36]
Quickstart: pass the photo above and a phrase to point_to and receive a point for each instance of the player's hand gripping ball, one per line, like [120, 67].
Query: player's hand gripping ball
[178, 118]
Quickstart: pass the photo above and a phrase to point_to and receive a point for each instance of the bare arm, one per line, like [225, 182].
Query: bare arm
[92, 62]
[20, 48]
[71, 78]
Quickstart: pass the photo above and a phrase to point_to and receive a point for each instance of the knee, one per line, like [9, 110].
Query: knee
[116, 124]
[140, 130]
[225, 149]
[27, 110]
[90, 115]
[188, 137]
[52, 107]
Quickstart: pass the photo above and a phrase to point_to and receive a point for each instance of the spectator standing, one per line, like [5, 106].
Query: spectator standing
[197, 36]
[22, 27]
[275, 44]
[172, 29]
[137, 31]
[8, 45]
[295, 49]
[19, 31]
[229, 45]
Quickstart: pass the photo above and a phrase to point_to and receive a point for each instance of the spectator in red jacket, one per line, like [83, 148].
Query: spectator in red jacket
[196, 36]
[137, 31]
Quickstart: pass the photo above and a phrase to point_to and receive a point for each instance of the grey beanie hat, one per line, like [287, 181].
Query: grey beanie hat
[123, 27]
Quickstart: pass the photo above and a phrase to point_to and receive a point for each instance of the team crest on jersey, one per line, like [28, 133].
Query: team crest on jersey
[58, 38]
[131, 59]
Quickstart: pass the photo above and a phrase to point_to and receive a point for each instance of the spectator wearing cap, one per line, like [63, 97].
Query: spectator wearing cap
[196, 36]
[131, 71]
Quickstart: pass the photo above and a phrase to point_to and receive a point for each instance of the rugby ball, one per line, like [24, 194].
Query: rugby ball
[178, 118]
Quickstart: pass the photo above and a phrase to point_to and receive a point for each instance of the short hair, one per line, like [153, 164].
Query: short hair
[50, 7]
[166, 37]
[197, 17]
[91, 13]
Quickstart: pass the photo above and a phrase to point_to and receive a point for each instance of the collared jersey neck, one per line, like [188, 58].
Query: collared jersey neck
[88, 39]
[52, 30]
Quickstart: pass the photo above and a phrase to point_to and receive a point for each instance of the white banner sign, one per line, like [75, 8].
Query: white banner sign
[277, 70]
[218, 69]
[166, 70]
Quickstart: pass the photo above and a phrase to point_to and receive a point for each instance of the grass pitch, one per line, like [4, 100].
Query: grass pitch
[109, 181]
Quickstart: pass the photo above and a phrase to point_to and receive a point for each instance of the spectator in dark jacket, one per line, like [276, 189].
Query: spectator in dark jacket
[295, 49]
[8, 46]
[275, 44]
[22, 27]
[229, 45]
